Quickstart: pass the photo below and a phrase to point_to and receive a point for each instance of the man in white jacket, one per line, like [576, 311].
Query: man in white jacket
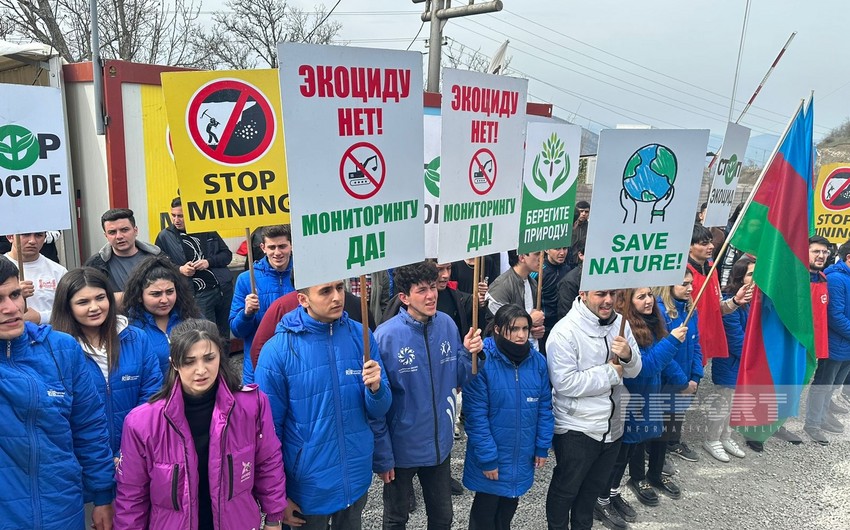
[587, 362]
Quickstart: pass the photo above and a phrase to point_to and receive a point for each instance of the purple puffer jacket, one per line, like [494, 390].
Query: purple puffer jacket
[156, 491]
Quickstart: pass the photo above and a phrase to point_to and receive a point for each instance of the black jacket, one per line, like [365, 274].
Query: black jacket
[568, 290]
[214, 249]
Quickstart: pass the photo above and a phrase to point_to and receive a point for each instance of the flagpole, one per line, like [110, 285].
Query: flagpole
[757, 91]
[740, 56]
[744, 208]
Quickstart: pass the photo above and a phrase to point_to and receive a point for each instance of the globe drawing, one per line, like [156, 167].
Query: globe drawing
[650, 173]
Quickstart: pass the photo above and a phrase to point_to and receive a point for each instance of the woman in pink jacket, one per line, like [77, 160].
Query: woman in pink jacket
[202, 454]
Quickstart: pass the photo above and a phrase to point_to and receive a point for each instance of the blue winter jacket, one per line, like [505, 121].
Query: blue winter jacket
[425, 365]
[687, 363]
[644, 419]
[508, 410]
[54, 442]
[838, 311]
[271, 285]
[311, 372]
[158, 341]
[724, 371]
[136, 378]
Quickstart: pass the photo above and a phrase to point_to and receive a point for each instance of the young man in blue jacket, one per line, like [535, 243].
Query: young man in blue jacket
[272, 274]
[425, 362]
[322, 397]
[54, 444]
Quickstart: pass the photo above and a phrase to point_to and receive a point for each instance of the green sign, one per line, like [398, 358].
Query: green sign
[549, 186]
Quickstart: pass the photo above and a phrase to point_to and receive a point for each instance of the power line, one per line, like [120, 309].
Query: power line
[417, 35]
[712, 115]
[629, 61]
[319, 24]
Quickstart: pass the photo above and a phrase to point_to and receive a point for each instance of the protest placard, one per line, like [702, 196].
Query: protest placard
[549, 181]
[228, 147]
[642, 210]
[832, 203]
[432, 183]
[481, 155]
[725, 173]
[34, 194]
[353, 119]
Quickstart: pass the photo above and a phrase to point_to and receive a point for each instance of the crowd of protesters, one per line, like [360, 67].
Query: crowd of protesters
[121, 410]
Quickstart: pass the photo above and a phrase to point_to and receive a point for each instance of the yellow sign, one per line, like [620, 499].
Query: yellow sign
[227, 139]
[832, 203]
[160, 173]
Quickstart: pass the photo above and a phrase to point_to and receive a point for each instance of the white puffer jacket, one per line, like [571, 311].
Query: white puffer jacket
[587, 393]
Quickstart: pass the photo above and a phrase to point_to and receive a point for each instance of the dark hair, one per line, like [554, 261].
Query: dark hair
[583, 205]
[504, 317]
[819, 240]
[843, 250]
[410, 275]
[735, 213]
[644, 335]
[151, 269]
[175, 202]
[736, 277]
[62, 317]
[701, 234]
[7, 269]
[703, 206]
[183, 337]
[273, 231]
[115, 214]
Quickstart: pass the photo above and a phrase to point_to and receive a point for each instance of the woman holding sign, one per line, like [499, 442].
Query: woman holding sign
[157, 298]
[675, 303]
[509, 422]
[643, 422]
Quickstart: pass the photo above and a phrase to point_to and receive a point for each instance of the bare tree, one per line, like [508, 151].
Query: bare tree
[146, 31]
[246, 34]
[457, 55]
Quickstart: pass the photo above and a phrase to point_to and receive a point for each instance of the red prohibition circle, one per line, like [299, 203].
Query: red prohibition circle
[836, 194]
[346, 179]
[477, 170]
[247, 91]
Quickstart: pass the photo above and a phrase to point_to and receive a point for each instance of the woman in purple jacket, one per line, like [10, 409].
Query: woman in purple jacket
[202, 454]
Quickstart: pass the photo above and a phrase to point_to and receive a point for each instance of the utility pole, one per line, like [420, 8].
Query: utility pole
[438, 12]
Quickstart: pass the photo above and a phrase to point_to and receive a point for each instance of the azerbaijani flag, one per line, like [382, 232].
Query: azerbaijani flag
[778, 357]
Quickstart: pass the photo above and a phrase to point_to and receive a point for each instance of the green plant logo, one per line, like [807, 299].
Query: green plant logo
[19, 147]
[432, 177]
[551, 166]
[731, 169]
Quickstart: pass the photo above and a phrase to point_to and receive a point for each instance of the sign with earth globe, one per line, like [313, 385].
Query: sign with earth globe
[654, 176]
[649, 177]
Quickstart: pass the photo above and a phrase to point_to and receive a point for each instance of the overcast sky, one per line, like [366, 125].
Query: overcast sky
[664, 63]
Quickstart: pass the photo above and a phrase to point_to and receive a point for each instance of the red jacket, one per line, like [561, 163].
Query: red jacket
[820, 301]
[157, 487]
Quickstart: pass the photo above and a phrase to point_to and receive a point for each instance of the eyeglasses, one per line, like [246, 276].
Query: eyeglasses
[820, 252]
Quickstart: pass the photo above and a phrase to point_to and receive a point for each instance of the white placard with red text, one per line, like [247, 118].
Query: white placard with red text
[354, 149]
[482, 147]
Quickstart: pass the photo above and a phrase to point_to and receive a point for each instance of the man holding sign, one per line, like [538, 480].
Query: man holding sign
[322, 396]
[588, 358]
[426, 362]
